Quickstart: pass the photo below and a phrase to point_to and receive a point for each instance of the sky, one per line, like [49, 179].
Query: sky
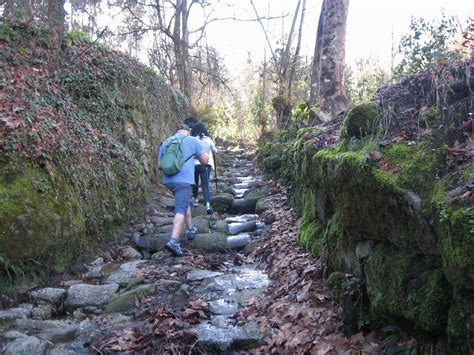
[371, 24]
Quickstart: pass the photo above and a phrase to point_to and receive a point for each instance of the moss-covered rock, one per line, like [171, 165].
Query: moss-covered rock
[460, 328]
[41, 216]
[361, 120]
[408, 286]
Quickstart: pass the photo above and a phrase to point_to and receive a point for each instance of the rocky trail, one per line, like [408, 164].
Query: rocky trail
[243, 285]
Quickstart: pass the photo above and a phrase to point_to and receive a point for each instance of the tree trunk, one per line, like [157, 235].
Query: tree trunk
[55, 22]
[18, 10]
[327, 78]
[181, 46]
[294, 65]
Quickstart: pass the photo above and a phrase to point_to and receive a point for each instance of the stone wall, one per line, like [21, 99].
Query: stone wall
[389, 204]
[79, 133]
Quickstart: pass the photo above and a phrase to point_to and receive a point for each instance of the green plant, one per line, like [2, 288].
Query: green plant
[11, 270]
[427, 44]
[8, 33]
[76, 38]
[364, 80]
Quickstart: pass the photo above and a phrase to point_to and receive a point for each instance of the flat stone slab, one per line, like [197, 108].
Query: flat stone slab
[221, 334]
[125, 273]
[199, 275]
[84, 295]
[223, 307]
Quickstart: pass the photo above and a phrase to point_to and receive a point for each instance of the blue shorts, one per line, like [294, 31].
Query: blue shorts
[182, 195]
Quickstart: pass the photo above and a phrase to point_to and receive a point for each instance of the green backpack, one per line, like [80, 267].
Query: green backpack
[172, 160]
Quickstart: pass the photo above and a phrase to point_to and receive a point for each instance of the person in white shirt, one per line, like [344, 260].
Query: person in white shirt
[203, 171]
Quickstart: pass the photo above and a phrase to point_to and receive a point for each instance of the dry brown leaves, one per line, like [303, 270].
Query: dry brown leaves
[297, 313]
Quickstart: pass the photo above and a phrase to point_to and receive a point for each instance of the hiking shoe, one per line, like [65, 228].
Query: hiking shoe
[210, 211]
[191, 233]
[174, 247]
[195, 202]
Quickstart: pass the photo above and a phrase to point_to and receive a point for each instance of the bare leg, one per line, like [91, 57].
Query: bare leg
[189, 218]
[178, 224]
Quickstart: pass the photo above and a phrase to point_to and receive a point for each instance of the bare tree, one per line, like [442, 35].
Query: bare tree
[327, 85]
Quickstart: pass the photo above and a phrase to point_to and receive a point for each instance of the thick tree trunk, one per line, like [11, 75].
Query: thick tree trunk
[327, 78]
[55, 22]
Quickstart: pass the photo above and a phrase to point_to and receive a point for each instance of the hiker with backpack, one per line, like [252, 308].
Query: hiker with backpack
[203, 171]
[176, 160]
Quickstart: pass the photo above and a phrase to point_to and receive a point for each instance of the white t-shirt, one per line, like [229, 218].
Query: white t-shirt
[208, 147]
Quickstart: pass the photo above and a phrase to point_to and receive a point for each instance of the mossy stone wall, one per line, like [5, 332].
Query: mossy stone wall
[78, 152]
[387, 221]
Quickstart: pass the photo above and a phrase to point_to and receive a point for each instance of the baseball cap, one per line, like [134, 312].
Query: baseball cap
[183, 126]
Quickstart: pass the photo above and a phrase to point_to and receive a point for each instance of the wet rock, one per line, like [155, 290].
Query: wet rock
[242, 218]
[241, 185]
[49, 294]
[221, 335]
[238, 241]
[235, 228]
[199, 275]
[126, 301]
[222, 202]
[244, 205]
[222, 307]
[84, 295]
[26, 346]
[258, 193]
[125, 273]
[209, 242]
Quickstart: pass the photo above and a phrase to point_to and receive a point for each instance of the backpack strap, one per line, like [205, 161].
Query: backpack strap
[180, 141]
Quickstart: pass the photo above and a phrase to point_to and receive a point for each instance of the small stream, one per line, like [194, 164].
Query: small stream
[89, 314]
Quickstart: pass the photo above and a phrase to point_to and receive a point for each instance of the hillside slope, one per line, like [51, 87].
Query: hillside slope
[79, 130]
[385, 198]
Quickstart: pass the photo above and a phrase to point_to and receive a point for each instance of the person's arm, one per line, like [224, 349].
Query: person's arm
[203, 158]
[212, 145]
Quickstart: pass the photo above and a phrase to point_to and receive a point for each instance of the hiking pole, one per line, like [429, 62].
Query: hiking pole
[215, 175]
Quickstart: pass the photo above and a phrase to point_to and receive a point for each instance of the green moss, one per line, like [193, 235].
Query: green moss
[336, 284]
[457, 244]
[362, 120]
[310, 236]
[431, 118]
[419, 165]
[408, 286]
[460, 328]
[40, 217]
